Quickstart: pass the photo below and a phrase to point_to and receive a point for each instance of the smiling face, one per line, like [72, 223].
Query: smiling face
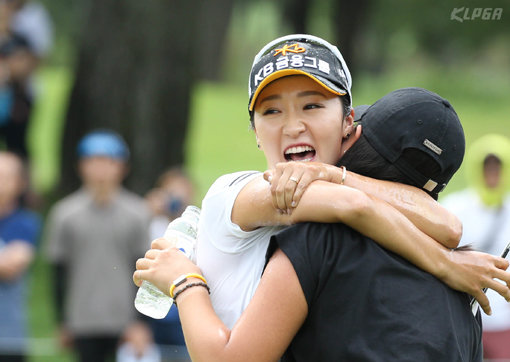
[296, 119]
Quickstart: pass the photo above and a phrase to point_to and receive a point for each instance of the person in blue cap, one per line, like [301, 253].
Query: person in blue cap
[93, 238]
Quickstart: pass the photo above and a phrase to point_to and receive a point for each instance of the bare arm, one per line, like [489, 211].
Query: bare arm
[15, 259]
[265, 328]
[423, 211]
[272, 318]
[328, 202]
[464, 271]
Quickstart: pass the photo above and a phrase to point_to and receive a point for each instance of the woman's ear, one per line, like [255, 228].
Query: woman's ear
[348, 124]
[348, 142]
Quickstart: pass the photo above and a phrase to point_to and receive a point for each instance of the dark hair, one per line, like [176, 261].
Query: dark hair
[345, 105]
[363, 159]
[492, 158]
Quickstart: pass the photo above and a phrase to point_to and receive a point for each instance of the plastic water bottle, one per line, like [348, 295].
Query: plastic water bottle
[182, 233]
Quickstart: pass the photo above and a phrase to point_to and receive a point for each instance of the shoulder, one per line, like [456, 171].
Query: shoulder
[312, 230]
[133, 203]
[316, 239]
[130, 197]
[69, 205]
[231, 180]
[225, 189]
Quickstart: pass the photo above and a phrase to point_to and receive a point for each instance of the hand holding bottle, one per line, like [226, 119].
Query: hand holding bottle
[181, 233]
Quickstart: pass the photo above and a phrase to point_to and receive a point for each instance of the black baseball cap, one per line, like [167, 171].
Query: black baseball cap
[415, 118]
[300, 54]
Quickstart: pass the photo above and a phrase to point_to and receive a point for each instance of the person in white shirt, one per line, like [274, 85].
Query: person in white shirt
[237, 220]
[310, 289]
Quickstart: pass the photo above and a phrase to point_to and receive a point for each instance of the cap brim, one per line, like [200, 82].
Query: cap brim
[286, 72]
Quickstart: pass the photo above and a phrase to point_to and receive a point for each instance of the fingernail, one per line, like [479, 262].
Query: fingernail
[288, 211]
[293, 204]
[270, 178]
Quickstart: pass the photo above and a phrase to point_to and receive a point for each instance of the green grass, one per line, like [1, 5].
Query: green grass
[220, 141]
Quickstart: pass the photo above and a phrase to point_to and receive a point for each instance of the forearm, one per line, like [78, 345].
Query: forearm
[265, 328]
[253, 207]
[206, 336]
[15, 258]
[423, 211]
[6, 271]
[392, 230]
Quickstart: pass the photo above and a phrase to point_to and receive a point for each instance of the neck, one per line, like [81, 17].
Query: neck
[103, 195]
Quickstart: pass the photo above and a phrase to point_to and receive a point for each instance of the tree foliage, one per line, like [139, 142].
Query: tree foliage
[136, 65]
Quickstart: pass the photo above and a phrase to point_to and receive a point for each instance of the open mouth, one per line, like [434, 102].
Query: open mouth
[299, 153]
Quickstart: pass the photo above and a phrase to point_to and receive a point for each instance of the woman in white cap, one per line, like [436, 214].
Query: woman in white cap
[237, 216]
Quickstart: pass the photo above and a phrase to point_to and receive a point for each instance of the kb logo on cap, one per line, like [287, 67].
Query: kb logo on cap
[294, 48]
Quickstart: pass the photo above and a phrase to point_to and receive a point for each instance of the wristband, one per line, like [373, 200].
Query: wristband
[180, 280]
[191, 285]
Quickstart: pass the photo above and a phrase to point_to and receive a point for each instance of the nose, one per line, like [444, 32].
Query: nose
[294, 125]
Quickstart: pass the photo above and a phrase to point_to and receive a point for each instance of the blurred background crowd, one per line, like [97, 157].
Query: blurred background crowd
[116, 115]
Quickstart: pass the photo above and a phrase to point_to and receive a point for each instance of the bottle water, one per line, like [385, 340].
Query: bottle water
[182, 233]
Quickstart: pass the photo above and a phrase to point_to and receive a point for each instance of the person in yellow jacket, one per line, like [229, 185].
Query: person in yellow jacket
[484, 209]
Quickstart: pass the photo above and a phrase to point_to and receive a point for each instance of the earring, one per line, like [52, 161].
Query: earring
[347, 135]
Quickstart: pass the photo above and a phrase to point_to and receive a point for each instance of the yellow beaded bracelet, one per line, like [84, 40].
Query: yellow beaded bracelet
[182, 279]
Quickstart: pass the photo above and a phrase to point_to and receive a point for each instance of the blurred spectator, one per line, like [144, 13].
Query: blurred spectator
[140, 347]
[484, 209]
[19, 232]
[17, 62]
[173, 191]
[94, 237]
[32, 21]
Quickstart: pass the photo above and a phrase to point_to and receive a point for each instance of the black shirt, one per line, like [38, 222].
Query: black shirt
[368, 304]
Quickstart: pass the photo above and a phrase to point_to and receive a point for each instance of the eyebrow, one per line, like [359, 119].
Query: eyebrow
[300, 94]
[310, 93]
[270, 98]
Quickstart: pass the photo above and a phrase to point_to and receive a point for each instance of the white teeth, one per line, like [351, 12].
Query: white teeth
[298, 149]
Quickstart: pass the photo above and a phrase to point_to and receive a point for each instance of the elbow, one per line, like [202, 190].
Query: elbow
[360, 206]
[454, 234]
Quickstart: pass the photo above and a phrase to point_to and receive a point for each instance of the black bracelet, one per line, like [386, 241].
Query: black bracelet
[190, 285]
